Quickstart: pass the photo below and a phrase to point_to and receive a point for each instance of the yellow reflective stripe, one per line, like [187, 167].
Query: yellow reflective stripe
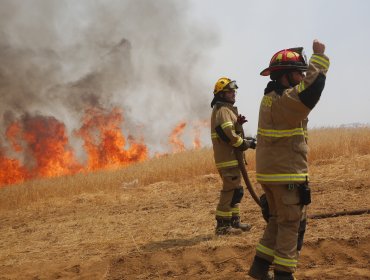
[235, 210]
[265, 250]
[320, 60]
[239, 142]
[214, 135]
[301, 87]
[285, 262]
[281, 177]
[280, 132]
[223, 214]
[227, 164]
[226, 124]
[320, 63]
[306, 134]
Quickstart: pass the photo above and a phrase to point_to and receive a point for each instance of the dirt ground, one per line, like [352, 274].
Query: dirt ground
[166, 231]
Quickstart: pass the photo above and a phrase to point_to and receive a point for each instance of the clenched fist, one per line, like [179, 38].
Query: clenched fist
[318, 47]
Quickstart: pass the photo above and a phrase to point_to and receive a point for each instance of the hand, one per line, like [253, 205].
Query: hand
[318, 47]
[252, 142]
[241, 119]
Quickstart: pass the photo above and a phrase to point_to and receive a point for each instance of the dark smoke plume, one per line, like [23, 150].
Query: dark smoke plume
[58, 57]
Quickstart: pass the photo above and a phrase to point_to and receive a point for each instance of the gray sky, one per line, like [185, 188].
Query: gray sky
[250, 32]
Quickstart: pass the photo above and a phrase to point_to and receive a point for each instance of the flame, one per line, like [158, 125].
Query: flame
[44, 140]
[196, 132]
[43, 144]
[177, 144]
[47, 142]
[11, 170]
[40, 145]
[104, 141]
[12, 134]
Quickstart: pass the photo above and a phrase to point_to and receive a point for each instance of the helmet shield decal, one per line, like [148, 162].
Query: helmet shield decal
[302, 54]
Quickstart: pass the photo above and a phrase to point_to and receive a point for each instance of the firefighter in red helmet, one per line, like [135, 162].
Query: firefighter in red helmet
[281, 156]
[227, 135]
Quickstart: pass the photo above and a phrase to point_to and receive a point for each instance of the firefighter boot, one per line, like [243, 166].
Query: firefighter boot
[235, 223]
[260, 269]
[283, 275]
[224, 228]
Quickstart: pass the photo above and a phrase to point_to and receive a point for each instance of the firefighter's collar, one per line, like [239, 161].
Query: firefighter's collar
[220, 104]
[275, 86]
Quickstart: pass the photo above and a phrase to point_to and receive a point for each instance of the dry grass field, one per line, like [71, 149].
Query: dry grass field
[155, 219]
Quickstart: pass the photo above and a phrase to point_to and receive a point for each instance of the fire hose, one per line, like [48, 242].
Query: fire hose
[341, 213]
[243, 170]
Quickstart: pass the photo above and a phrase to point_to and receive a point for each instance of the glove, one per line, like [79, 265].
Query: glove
[244, 146]
[241, 119]
[252, 142]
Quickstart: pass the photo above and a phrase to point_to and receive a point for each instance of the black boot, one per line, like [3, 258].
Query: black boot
[224, 228]
[235, 223]
[283, 275]
[260, 269]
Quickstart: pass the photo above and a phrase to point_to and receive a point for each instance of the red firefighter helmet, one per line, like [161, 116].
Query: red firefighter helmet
[288, 59]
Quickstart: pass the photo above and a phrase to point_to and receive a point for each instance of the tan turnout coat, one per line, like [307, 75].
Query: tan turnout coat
[281, 155]
[224, 116]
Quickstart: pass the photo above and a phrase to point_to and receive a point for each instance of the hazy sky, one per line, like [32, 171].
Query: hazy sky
[158, 60]
[250, 32]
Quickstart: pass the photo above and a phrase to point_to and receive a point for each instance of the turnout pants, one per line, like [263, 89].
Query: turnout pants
[230, 195]
[278, 244]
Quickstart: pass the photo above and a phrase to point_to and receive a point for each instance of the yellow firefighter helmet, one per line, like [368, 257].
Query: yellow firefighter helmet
[224, 84]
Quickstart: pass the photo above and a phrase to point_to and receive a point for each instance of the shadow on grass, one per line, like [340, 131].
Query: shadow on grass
[173, 243]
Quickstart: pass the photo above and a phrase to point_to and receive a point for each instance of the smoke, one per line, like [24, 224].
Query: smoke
[60, 57]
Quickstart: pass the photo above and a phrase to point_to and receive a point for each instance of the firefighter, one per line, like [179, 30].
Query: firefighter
[227, 134]
[281, 156]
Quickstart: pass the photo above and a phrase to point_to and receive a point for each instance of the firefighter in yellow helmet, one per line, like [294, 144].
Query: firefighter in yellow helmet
[227, 134]
[281, 156]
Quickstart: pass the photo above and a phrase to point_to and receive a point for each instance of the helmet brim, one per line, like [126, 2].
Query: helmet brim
[269, 70]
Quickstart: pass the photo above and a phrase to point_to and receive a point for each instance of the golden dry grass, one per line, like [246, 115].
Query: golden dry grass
[330, 143]
[155, 220]
[325, 144]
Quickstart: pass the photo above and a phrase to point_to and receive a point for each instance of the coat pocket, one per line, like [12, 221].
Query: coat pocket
[291, 197]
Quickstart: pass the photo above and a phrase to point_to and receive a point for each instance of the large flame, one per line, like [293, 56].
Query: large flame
[48, 144]
[43, 146]
[105, 143]
[11, 171]
[40, 147]
[45, 142]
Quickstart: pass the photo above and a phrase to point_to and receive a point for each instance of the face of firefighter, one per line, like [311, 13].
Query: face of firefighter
[297, 77]
[229, 95]
[292, 78]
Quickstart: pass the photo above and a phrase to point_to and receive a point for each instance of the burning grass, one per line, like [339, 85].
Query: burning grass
[325, 144]
[37, 146]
